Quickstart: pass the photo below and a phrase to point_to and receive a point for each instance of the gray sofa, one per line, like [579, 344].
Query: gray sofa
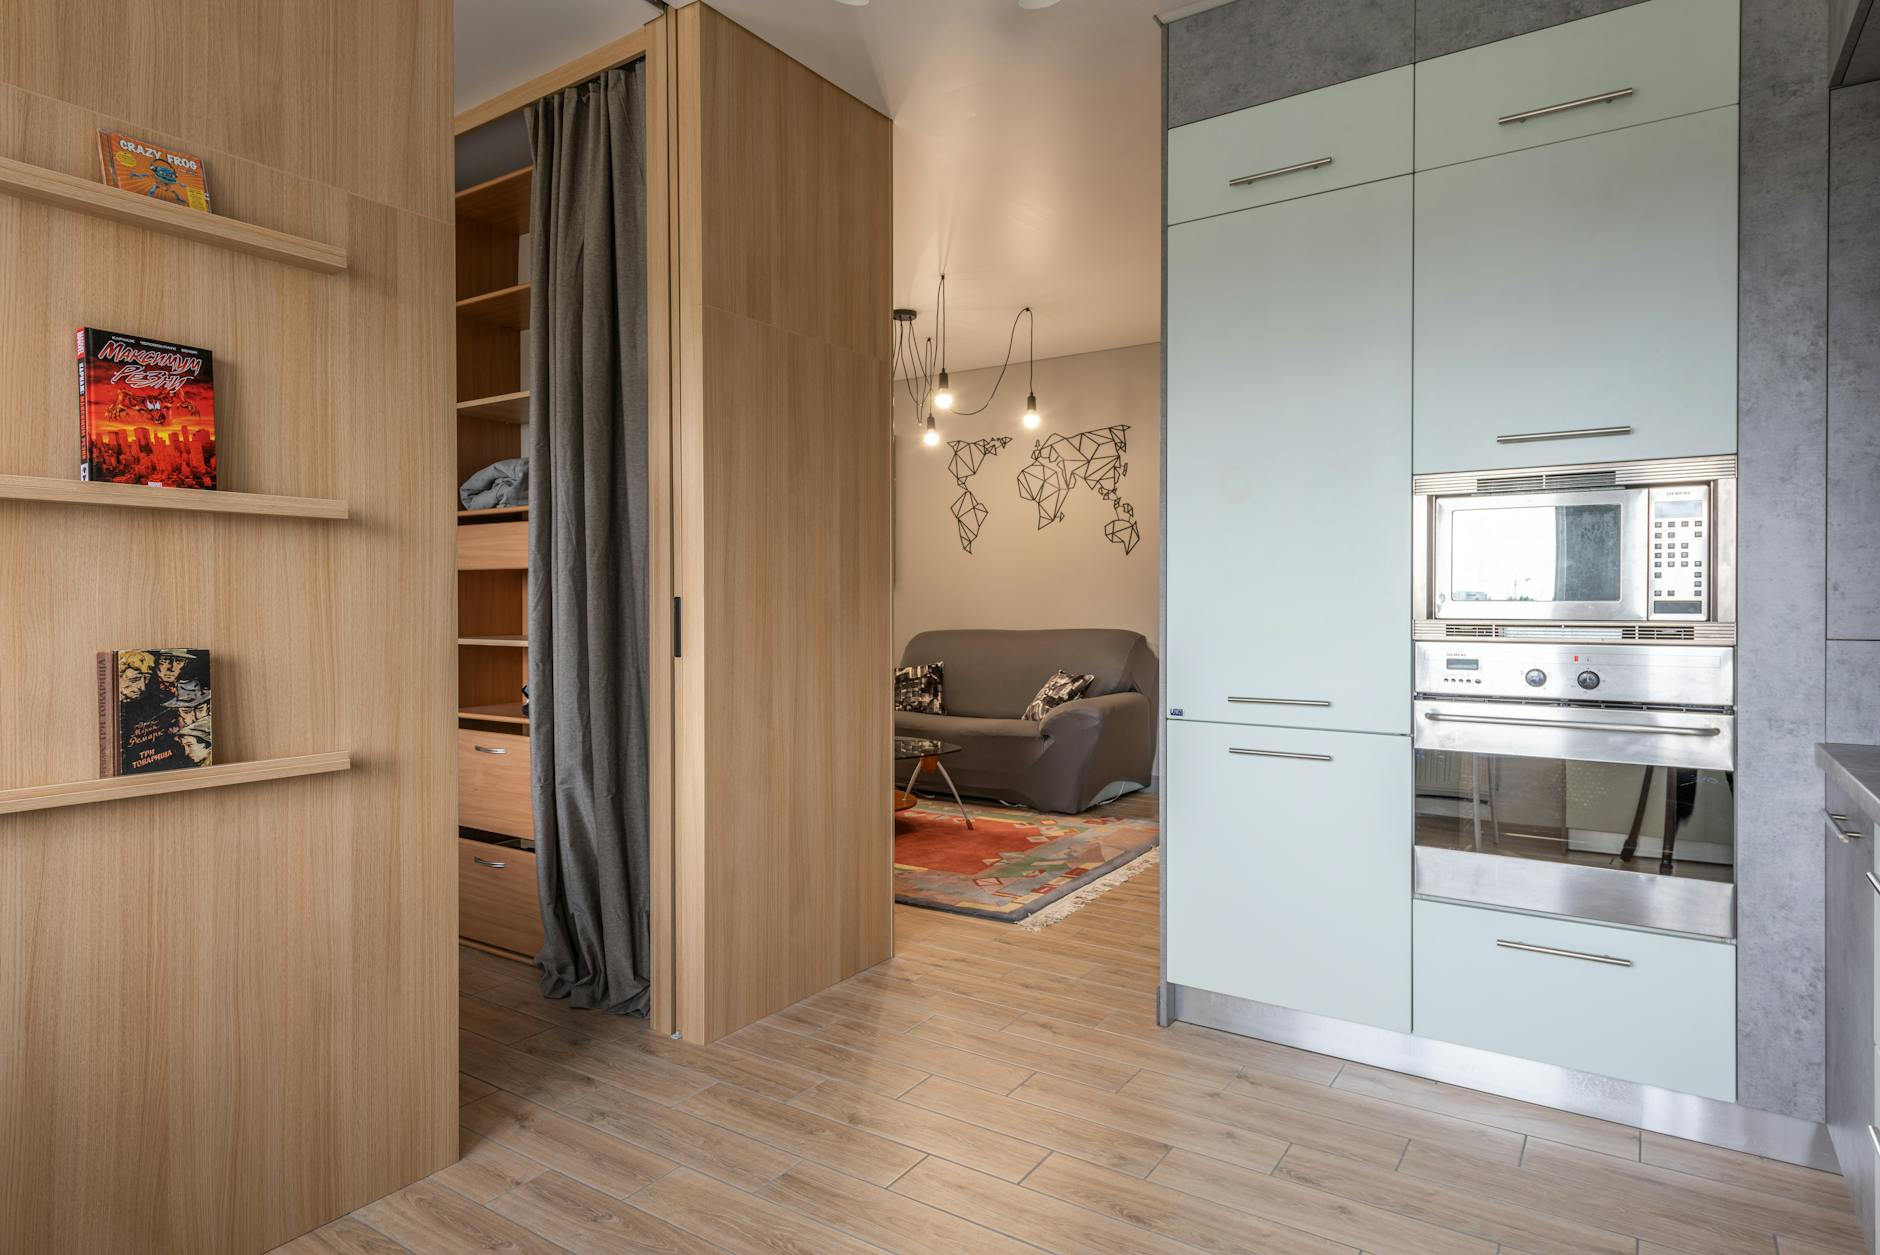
[1085, 752]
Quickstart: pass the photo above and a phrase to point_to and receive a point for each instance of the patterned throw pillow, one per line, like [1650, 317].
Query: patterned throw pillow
[918, 689]
[1060, 688]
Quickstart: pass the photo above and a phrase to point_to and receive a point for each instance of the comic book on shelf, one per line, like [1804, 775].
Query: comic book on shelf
[152, 170]
[146, 411]
[153, 711]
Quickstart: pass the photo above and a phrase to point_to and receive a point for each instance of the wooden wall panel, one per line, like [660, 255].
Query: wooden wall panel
[231, 1013]
[783, 836]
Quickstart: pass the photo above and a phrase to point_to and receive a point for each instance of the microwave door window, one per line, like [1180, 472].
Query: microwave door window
[1536, 554]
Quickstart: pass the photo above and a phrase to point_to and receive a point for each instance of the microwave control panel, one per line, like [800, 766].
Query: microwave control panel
[1680, 552]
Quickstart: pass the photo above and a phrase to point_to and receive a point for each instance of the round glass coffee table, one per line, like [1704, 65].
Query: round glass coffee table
[925, 754]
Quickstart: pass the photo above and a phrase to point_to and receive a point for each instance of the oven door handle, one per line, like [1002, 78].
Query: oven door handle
[1437, 716]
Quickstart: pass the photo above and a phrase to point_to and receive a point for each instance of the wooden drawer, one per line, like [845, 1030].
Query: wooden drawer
[496, 898]
[1676, 56]
[493, 547]
[493, 790]
[1364, 126]
[1666, 1016]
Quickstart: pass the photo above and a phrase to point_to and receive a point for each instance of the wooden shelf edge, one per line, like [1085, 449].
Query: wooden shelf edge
[501, 203]
[78, 492]
[507, 308]
[117, 788]
[495, 512]
[506, 407]
[49, 187]
[495, 642]
[501, 712]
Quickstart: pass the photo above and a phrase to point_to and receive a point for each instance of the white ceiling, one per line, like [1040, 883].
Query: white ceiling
[1027, 147]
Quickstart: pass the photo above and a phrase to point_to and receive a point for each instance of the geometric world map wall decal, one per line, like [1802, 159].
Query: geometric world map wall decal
[969, 512]
[1093, 458]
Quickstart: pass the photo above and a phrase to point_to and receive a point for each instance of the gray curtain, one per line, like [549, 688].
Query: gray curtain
[587, 539]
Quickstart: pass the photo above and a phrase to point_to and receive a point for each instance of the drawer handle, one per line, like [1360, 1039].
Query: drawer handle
[1577, 433]
[1604, 98]
[1874, 881]
[1841, 828]
[1437, 716]
[1607, 959]
[489, 749]
[1307, 758]
[1277, 701]
[484, 862]
[1245, 179]
[1873, 1135]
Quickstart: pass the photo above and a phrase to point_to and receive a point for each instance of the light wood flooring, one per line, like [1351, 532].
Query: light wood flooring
[992, 1090]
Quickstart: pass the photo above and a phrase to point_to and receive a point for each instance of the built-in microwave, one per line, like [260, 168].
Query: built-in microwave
[1622, 550]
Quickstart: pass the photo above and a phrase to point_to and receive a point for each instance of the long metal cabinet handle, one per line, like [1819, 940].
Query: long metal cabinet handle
[1604, 98]
[1874, 881]
[489, 749]
[1842, 830]
[1437, 716]
[1309, 758]
[1873, 1135]
[1314, 164]
[486, 862]
[1577, 433]
[1277, 701]
[1607, 959]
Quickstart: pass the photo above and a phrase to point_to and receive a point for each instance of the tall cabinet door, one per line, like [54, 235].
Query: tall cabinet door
[1288, 463]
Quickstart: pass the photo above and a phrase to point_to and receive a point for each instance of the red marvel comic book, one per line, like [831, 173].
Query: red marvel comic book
[146, 411]
[151, 170]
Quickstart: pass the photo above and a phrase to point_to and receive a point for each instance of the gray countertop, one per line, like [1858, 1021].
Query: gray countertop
[1856, 768]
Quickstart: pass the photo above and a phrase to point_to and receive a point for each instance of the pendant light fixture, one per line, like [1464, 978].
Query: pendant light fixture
[943, 394]
[928, 390]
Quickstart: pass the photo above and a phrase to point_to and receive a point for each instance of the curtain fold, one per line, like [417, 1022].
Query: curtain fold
[588, 540]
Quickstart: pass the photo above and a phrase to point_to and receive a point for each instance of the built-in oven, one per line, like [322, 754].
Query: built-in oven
[1643, 550]
[1595, 781]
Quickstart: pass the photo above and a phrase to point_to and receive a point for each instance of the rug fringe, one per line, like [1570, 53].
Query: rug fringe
[1050, 915]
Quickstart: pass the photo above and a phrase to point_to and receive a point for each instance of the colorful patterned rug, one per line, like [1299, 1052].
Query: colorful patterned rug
[1013, 862]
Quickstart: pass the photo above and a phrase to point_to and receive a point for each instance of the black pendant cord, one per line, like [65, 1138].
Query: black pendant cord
[1010, 340]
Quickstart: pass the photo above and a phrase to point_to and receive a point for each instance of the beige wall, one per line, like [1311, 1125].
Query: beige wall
[1019, 575]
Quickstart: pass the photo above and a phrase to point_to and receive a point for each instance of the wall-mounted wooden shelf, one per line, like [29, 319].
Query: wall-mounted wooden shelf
[499, 512]
[502, 202]
[498, 642]
[50, 187]
[500, 712]
[117, 788]
[141, 496]
[508, 407]
[505, 307]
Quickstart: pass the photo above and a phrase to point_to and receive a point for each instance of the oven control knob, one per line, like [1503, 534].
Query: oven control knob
[1536, 678]
[1589, 679]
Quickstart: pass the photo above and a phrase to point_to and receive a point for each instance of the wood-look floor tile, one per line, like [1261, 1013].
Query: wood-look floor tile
[1153, 1120]
[831, 1061]
[933, 1057]
[1226, 1048]
[430, 1220]
[1025, 1214]
[1505, 1113]
[988, 987]
[566, 1145]
[1120, 1049]
[1287, 1201]
[1733, 1167]
[727, 1066]
[1245, 1110]
[840, 1146]
[1790, 1246]
[870, 1005]
[345, 1236]
[486, 1019]
[511, 1071]
[1183, 1216]
[1034, 1056]
[469, 1088]
[1460, 1137]
[925, 999]
[923, 1129]
[1451, 1206]
[658, 1079]
[1111, 1148]
[588, 1222]
[887, 1219]
[741, 1222]
[485, 1169]
[477, 970]
[679, 1136]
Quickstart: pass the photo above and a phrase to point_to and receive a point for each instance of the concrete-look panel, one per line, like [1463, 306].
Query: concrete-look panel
[1252, 51]
[1445, 26]
[1854, 366]
[1854, 692]
[1782, 442]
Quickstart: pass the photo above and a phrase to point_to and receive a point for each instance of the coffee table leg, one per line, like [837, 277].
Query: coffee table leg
[912, 776]
[941, 768]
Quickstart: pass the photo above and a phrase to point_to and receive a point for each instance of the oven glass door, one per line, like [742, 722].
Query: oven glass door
[1570, 556]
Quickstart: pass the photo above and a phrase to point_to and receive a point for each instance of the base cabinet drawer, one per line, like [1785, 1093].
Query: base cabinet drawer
[1644, 1007]
[496, 899]
[493, 791]
[493, 547]
[1287, 866]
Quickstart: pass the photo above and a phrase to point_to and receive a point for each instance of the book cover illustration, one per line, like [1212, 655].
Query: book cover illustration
[153, 711]
[147, 169]
[146, 411]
